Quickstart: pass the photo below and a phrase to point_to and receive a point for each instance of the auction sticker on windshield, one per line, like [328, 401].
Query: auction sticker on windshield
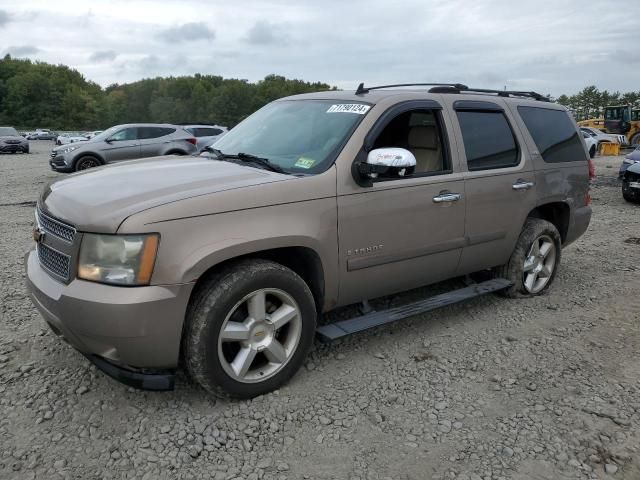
[304, 162]
[349, 108]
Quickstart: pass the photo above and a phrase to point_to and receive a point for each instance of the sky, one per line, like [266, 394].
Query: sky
[550, 46]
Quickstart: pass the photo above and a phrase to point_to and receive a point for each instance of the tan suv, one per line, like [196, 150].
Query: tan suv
[225, 262]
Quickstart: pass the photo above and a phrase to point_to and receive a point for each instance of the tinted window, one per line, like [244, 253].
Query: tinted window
[488, 140]
[554, 133]
[145, 133]
[207, 132]
[126, 134]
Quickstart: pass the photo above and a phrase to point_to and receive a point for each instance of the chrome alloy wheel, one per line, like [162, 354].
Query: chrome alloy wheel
[539, 264]
[259, 335]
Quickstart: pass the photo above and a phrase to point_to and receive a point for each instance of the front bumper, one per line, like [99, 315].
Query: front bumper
[13, 147]
[135, 329]
[58, 163]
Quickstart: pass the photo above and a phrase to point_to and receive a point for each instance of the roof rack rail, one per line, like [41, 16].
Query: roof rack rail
[456, 88]
[362, 89]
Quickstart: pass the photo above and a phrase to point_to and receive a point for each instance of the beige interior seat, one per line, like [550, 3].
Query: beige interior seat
[423, 143]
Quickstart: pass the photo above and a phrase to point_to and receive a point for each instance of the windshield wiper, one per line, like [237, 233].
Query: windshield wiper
[265, 162]
[247, 158]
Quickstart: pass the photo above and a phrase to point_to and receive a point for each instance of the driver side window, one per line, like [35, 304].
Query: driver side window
[420, 132]
[123, 135]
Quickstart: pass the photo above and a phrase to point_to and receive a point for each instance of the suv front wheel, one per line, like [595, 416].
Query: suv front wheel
[534, 261]
[249, 329]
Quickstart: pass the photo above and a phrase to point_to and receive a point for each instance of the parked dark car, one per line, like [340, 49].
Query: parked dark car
[629, 160]
[631, 183]
[12, 142]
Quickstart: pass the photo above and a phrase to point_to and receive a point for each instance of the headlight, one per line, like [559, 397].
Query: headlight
[629, 161]
[70, 149]
[118, 259]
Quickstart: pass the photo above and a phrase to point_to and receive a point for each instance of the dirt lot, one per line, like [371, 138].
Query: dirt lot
[546, 388]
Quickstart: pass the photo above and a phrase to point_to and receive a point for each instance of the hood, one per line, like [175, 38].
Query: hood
[76, 142]
[635, 155]
[98, 200]
[635, 168]
[4, 138]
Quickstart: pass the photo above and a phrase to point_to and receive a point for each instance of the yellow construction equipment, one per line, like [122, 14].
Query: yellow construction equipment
[618, 119]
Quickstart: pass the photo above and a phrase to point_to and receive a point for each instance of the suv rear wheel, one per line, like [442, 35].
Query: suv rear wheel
[534, 261]
[249, 329]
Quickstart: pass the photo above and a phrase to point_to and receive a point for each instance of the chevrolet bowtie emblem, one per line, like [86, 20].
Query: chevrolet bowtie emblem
[38, 235]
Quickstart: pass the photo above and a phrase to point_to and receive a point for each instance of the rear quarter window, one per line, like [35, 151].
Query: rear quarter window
[145, 133]
[207, 132]
[554, 133]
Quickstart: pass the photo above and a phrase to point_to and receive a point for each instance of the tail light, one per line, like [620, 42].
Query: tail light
[592, 170]
[193, 141]
[592, 176]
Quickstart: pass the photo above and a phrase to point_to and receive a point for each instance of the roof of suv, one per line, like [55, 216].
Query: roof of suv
[377, 95]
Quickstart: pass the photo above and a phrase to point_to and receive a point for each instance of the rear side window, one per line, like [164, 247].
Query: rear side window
[554, 134]
[488, 140]
[207, 132]
[145, 133]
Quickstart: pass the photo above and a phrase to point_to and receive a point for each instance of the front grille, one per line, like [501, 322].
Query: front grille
[55, 262]
[12, 142]
[56, 227]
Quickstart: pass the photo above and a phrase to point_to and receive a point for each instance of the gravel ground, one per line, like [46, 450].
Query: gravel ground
[546, 388]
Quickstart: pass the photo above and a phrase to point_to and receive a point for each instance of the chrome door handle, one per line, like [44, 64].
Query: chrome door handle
[522, 185]
[447, 197]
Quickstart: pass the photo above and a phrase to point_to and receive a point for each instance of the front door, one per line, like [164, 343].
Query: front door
[403, 233]
[122, 145]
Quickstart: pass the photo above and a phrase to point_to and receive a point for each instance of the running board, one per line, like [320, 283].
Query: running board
[333, 331]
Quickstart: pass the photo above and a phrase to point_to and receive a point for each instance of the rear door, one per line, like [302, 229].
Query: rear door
[154, 140]
[499, 182]
[122, 145]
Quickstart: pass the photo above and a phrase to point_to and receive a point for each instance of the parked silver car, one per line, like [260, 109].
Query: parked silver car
[12, 142]
[206, 134]
[123, 142]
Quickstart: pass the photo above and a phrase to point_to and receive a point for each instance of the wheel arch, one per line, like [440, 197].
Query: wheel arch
[87, 154]
[558, 213]
[303, 260]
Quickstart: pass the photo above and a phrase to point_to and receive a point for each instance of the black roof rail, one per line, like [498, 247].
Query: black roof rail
[455, 88]
[362, 89]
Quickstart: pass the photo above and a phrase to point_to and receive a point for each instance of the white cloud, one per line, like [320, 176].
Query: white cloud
[554, 47]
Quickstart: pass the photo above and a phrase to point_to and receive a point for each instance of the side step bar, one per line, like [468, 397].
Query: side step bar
[333, 331]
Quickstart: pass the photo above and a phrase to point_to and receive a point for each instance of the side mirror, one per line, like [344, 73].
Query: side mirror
[108, 140]
[388, 162]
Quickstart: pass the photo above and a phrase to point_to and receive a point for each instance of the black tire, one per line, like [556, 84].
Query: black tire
[26, 150]
[86, 162]
[178, 153]
[635, 140]
[513, 270]
[592, 151]
[631, 195]
[209, 309]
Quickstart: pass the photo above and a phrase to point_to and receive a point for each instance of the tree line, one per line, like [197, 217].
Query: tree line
[590, 102]
[37, 94]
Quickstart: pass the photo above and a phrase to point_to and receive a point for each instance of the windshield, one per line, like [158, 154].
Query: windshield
[299, 136]
[7, 131]
[107, 133]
